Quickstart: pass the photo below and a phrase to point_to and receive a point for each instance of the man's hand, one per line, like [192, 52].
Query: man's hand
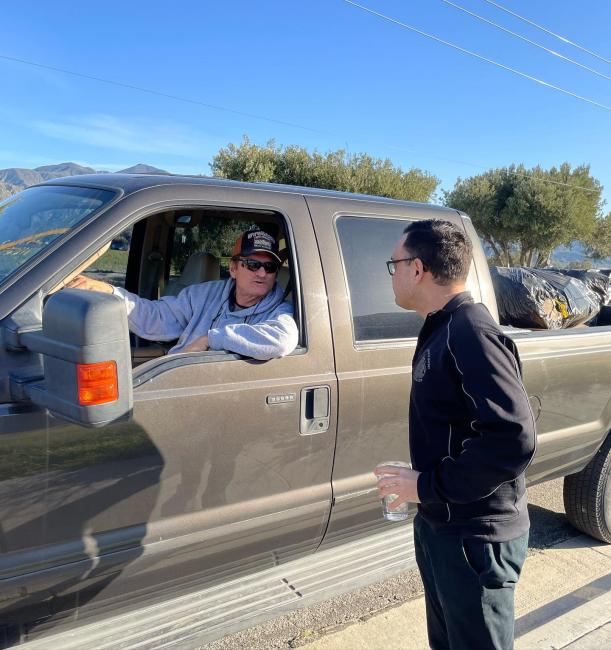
[83, 282]
[197, 345]
[401, 481]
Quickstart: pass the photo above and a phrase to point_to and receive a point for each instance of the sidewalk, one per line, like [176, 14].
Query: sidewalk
[563, 601]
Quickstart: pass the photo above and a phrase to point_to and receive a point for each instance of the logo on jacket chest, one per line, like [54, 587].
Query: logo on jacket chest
[424, 364]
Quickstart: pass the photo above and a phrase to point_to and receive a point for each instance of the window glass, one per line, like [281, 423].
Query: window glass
[31, 220]
[111, 267]
[366, 243]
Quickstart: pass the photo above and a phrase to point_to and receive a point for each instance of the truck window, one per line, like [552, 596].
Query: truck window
[33, 219]
[194, 237]
[164, 253]
[366, 243]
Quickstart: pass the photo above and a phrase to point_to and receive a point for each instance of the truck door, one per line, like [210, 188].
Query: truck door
[374, 344]
[224, 468]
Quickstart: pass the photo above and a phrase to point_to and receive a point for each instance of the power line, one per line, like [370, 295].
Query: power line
[523, 38]
[547, 31]
[158, 93]
[477, 56]
[222, 108]
[513, 172]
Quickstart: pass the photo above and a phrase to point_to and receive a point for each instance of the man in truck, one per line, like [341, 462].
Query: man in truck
[246, 314]
[472, 436]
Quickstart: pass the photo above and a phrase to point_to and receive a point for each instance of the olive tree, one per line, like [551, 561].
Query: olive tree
[524, 214]
[336, 170]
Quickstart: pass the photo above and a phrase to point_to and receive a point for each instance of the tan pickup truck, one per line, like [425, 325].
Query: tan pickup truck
[209, 469]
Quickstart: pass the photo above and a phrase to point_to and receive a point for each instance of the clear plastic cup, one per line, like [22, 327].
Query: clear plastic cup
[401, 512]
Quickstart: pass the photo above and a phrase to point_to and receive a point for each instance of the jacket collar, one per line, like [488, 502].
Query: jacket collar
[450, 307]
[459, 299]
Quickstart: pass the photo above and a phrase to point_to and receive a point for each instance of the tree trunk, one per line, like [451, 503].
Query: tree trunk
[529, 259]
[543, 259]
[494, 247]
[506, 258]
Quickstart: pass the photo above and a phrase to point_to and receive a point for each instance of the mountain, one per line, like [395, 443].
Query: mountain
[140, 168]
[63, 169]
[15, 179]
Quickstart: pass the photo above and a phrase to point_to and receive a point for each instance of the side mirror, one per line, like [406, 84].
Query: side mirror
[85, 349]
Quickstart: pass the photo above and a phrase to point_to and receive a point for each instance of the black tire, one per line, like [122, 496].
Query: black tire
[587, 496]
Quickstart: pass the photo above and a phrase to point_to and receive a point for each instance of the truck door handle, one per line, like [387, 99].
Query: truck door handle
[315, 402]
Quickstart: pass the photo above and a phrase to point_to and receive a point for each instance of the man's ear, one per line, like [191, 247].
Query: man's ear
[232, 268]
[418, 268]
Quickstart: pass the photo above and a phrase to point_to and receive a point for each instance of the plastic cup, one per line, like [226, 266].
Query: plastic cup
[400, 513]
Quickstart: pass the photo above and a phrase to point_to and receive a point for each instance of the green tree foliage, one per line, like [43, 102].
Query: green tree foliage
[215, 235]
[524, 214]
[599, 244]
[335, 170]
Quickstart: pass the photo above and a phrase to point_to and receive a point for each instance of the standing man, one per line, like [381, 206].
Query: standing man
[472, 436]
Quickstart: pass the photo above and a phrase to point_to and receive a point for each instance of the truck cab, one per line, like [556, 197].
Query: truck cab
[131, 476]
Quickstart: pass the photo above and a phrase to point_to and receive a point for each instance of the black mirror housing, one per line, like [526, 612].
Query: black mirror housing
[85, 349]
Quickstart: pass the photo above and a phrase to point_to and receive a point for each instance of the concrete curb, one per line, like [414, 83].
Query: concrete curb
[563, 600]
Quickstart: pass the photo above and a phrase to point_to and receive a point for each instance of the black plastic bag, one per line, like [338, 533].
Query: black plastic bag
[596, 280]
[538, 298]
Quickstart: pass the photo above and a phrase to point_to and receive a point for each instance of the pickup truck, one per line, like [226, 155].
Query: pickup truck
[130, 477]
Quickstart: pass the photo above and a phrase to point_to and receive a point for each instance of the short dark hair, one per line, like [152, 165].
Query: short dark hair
[444, 249]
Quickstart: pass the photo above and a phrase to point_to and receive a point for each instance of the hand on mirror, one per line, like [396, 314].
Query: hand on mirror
[198, 345]
[83, 282]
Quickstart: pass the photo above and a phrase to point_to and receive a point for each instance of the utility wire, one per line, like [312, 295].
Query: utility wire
[547, 31]
[477, 56]
[158, 93]
[260, 117]
[513, 172]
[527, 40]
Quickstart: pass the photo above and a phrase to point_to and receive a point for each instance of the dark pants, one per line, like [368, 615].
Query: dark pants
[469, 588]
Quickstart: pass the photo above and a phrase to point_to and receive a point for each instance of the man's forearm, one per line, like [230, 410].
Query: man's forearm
[268, 340]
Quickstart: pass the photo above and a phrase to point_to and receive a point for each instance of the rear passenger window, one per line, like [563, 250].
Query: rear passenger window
[366, 243]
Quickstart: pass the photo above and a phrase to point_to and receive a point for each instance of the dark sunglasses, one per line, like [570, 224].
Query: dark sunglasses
[255, 265]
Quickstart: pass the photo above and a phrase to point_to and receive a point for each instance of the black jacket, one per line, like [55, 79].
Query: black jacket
[471, 428]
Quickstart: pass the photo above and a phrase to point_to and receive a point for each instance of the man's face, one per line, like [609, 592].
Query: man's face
[403, 279]
[253, 284]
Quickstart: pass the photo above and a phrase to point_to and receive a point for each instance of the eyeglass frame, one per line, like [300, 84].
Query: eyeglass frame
[247, 262]
[393, 264]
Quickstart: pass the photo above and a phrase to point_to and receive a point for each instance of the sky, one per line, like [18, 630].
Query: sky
[322, 74]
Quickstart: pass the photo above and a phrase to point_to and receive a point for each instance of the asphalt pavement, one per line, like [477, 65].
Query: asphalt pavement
[563, 599]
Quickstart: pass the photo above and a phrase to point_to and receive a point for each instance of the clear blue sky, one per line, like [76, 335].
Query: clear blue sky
[357, 81]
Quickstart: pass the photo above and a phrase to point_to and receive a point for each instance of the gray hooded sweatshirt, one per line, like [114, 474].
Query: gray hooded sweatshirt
[264, 331]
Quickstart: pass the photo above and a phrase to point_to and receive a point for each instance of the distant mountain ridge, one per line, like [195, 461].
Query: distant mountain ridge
[15, 179]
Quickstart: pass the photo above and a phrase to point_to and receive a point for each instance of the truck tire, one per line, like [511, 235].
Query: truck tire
[587, 495]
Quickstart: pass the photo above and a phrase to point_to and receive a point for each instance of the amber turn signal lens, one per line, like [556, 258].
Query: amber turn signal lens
[97, 383]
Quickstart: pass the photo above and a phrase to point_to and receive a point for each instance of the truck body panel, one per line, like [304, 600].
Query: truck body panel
[222, 471]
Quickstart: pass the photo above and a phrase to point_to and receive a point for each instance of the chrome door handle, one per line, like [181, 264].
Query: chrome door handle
[315, 402]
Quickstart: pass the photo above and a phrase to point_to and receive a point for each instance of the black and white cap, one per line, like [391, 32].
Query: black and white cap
[255, 241]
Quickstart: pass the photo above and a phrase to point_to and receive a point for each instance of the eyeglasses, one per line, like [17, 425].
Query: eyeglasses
[391, 265]
[255, 265]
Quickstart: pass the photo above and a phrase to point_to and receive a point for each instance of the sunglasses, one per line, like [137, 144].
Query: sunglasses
[255, 265]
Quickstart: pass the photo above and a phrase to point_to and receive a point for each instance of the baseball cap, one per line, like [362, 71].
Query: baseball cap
[255, 241]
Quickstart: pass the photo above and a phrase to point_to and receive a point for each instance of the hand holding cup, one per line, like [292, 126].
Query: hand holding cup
[397, 488]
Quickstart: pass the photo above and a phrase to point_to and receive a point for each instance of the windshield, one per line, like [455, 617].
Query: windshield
[31, 220]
